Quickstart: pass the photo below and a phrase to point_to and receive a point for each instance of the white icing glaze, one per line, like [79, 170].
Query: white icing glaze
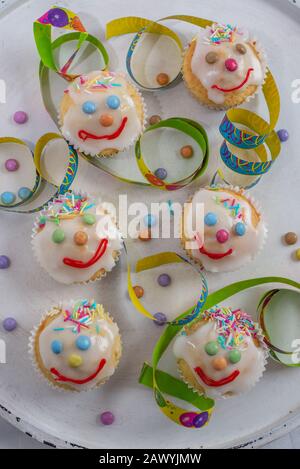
[76, 120]
[50, 255]
[216, 73]
[191, 348]
[102, 334]
[244, 248]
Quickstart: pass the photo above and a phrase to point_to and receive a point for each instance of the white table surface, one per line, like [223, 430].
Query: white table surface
[12, 438]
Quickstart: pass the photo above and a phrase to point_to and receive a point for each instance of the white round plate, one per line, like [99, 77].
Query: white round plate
[64, 420]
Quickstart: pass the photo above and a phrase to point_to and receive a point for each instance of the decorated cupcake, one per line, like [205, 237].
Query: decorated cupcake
[77, 346]
[222, 228]
[222, 353]
[101, 113]
[223, 66]
[76, 239]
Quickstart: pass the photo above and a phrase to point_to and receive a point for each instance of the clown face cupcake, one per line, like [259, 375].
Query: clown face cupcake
[76, 240]
[223, 66]
[222, 354]
[222, 229]
[77, 346]
[101, 113]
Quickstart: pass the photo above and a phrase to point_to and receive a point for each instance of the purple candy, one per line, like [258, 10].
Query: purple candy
[283, 135]
[187, 419]
[20, 117]
[4, 262]
[161, 173]
[12, 164]
[164, 280]
[107, 418]
[9, 324]
[160, 319]
[58, 17]
[200, 420]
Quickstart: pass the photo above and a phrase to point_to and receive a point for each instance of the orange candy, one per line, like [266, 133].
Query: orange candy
[106, 120]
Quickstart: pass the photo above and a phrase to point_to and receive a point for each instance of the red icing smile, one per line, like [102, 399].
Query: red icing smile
[84, 135]
[215, 255]
[211, 382]
[228, 90]
[65, 379]
[84, 265]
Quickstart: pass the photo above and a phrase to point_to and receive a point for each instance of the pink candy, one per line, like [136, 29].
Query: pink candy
[231, 65]
[222, 236]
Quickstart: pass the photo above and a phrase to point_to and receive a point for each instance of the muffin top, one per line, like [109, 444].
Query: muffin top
[75, 239]
[101, 111]
[226, 61]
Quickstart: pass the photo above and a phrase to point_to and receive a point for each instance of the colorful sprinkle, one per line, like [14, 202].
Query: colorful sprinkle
[221, 33]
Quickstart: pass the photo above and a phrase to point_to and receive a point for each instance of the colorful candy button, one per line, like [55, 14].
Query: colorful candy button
[107, 418]
[163, 79]
[89, 107]
[106, 120]
[155, 119]
[4, 262]
[240, 229]
[297, 253]
[12, 164]
[149, 220]
[89, 219]
[139, 291]
[75, 360]
[234, 356]
[83, 342]
[56, 346]
[283, 135]
[211, 348]
[187, 151]
[290, 238]
[9, 324]
[200, 420]
[8, 198]
[24, 193]
[210, 219]
[164, 280]
[113, 102]
[58, 236]
[222, 236]
[160, 319]
[20, 117]
[161, 173]
[80, 238]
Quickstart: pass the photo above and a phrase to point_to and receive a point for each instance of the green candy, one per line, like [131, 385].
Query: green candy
[58, 236]
[234, 356]
[89, 219]
[211, 348]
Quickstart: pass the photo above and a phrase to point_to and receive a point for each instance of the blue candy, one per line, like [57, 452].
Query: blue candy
[83, 342]
[24, 193]
[210, 219]
[113, 102]
[56, 346]
[240, 229]
[8, 198]
[89, 107]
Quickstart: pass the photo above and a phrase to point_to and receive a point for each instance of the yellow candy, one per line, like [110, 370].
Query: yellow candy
[298, 254]
[75, 361]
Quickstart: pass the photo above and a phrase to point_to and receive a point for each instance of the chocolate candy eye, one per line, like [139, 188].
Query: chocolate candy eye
[240, 229]
[234, 356]
[241, 49]
[113, 102]
[211, 348]
[56, 346]
[211, 57]
[210, 219]
[89, 107]
[89, 219]
[58, 236]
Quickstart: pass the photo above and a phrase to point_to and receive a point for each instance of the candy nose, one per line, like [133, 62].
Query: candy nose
[231, 65]
[80, 238]
[106, 120]
[222, 236]
[219, 363]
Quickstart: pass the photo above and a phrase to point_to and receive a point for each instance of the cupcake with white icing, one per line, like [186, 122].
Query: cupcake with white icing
[223, 66]
[76, 346]
[76, 240]
[222, 354]
[222, 228]
[101, 113]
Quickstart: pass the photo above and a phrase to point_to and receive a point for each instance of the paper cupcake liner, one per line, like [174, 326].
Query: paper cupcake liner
[101, 273]
[32, 355]
[263, 59]
[133, 140]
[253, 202]
[265, 356]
